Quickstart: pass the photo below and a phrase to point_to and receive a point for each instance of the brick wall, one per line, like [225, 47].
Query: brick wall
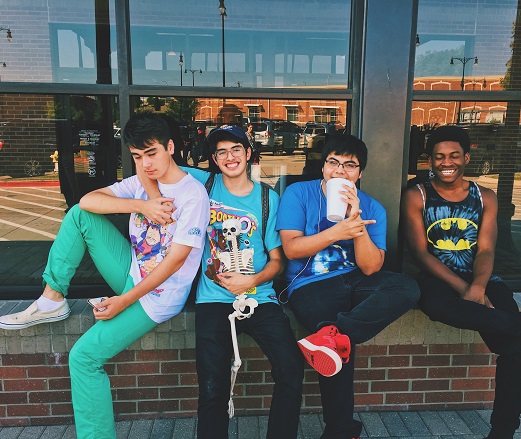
[415, 364]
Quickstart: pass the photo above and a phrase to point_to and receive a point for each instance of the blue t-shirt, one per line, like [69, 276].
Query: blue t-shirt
[234, 239]
[303, 208]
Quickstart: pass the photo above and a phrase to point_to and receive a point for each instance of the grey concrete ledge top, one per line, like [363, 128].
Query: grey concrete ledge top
[414, 328]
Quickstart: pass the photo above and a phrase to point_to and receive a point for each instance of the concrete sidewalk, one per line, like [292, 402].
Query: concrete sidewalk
[468, 424]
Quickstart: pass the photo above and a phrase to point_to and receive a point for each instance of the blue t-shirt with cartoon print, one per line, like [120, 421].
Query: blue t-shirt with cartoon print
[234, 239]
[303, 208]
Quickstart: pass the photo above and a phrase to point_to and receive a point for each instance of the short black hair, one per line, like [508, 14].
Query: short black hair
[346, 144]
[145, 128]
[448, 133]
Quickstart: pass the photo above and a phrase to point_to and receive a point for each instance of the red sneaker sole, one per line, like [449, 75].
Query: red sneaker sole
[324, 360]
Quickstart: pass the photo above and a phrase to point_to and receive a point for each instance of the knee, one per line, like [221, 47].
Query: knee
[406, 288]
[81, 358]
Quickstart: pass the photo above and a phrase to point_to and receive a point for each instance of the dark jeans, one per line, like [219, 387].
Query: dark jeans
[500, 328]
[359, 306]
[270, 328]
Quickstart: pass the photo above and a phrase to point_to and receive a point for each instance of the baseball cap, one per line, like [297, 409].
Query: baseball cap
[228, 132]
[448, 133]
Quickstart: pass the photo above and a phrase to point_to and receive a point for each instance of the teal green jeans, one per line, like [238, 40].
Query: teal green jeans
[111, 253]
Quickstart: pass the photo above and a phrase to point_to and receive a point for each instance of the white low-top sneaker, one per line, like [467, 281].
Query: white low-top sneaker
[33, 316]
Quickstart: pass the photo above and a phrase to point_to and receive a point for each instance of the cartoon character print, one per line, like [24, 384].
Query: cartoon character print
[151, 246]
[337, 256]
[453, 238]
[230, 246]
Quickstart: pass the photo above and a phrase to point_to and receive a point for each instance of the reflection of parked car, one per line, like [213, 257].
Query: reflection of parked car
[314, 134]
[277, 136]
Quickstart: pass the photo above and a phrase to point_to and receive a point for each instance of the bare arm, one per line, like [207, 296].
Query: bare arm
[369, 258]
[484, 261]
[238, 283]
[172, 262]
[412, 221]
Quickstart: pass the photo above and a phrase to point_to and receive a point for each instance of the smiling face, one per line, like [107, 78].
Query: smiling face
[231, 157]
[155, 160]
[448, 161]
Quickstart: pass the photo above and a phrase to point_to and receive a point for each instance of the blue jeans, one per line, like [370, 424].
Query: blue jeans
[270, 328]
[359, 306]
[500, 328]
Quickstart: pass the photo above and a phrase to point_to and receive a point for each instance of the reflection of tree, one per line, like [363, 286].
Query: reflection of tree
[183, 109]
[508, 141]
[436, 63]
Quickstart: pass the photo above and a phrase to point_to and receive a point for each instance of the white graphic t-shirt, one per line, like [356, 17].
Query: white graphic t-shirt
[151, 242]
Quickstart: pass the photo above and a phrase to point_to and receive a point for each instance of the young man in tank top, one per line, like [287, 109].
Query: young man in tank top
[450, 228]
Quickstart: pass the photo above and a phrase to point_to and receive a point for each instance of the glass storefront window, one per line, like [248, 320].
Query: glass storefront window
[59, 42]
[495, 163]
[280, 44]
[289, 149]
[477, 38]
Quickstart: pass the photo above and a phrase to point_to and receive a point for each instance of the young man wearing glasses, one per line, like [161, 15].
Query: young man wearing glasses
[239, 257]
[336, 289]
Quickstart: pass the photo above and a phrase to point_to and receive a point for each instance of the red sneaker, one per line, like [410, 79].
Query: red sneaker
[326, 350]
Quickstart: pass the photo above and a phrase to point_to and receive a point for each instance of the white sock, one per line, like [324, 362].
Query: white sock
[45, 304]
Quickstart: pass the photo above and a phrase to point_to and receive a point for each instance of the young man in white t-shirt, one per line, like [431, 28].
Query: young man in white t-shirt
[151, 274]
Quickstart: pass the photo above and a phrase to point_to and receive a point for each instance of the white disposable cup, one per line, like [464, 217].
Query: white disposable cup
[336, 207]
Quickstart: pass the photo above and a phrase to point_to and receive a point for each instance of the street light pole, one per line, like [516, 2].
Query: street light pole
[9, 34]
[463, 61]
[193, 71]
[222, 11]
[181, 66]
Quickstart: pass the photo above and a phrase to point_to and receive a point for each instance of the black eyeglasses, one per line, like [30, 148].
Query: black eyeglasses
[348, 166]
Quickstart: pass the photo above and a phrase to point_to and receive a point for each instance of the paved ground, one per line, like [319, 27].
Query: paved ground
[471, 424]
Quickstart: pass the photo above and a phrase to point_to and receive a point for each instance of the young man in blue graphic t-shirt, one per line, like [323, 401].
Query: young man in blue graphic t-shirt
[336, 289]
[240, 257]
[450, 227]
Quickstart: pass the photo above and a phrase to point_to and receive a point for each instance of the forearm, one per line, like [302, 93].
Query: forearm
[305, 246]
[482, 268]
[272, 269]
[103, 203]
[437, 269]
[369, 258]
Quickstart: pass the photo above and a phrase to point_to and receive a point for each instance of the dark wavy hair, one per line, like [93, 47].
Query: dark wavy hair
[145, 128]
[346, 144]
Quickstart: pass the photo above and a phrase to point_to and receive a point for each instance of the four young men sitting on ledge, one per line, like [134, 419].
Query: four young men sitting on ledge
[335, 285]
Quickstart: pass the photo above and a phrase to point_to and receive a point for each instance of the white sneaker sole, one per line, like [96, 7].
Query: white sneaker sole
[324, 360]
[35, 322]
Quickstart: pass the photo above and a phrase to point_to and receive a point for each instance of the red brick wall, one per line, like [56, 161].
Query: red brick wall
[35, 388]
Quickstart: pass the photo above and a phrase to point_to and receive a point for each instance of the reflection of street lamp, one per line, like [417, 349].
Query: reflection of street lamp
[222, 11]
[193, 71]
[181, 66]
[9, 34]
[3, 64]
[463, 61]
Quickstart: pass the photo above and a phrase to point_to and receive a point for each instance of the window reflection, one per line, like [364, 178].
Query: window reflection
[483, 30]
[283, 46]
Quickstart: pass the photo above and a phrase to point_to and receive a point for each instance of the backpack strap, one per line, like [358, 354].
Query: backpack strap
[265, 213]
[209, 183]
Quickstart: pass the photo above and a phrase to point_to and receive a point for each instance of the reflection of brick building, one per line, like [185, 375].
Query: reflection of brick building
[441, 113]
[299, 112]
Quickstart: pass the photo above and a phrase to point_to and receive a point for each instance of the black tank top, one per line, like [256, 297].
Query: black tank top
[452, 227]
